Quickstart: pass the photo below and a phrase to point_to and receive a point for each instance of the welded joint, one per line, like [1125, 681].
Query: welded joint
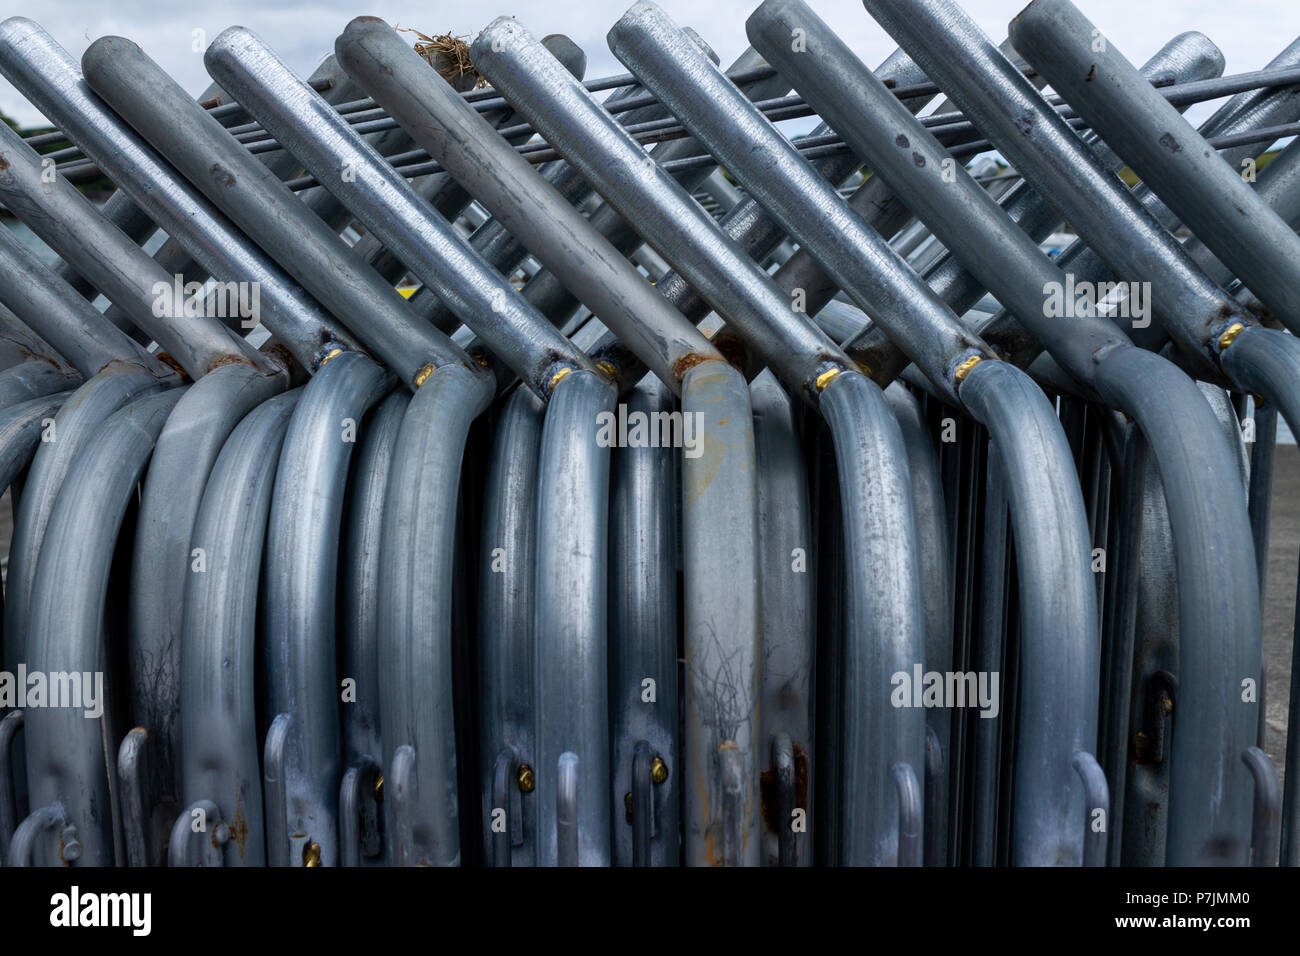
[1149, 745]
[783, 764]
[559, 377]
[640, 801]
[360, 812]
[825, 378]
[46, 820]
[963, 368]
[1229, 335]
[506, 777]
[198, 837]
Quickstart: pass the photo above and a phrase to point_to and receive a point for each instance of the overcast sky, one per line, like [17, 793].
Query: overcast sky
[1249, 33]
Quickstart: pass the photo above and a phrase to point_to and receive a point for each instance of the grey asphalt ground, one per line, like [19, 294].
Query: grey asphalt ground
[1279, 597]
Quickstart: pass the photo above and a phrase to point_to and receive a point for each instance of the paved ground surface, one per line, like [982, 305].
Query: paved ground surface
[1279, 615]
[1279, 607]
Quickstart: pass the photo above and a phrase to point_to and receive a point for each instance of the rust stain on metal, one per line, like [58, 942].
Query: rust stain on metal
[223, 176]
[238, 826]
[769, 793]
[1151, 819]
[688, 362]
[284, 360]
[172, 364]
[1138, 747]
[705, 468]
[229, 360]
[30, 356]
[1092, 74]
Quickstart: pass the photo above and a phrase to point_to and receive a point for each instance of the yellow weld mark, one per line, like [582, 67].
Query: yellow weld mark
[1230, 334]
[825, 378]
[964, 368]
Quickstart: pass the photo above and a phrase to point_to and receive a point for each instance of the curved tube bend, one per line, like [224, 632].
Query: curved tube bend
[1218, 597]
[643, 626]
[936, 575]
[162, 558]
[506, 578]
[21, 426]
[301, 578]
[76, 424]
[359, 555]
[415, 597]
[219, 746]
[1060, 647]
[787, 614]
[720, 601]
[885, 622]
[569, 619]
[1268, 363]
[68, 762]
[23, 849]
[34, 379]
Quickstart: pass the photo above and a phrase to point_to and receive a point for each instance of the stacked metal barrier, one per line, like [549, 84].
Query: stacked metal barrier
[703, 497]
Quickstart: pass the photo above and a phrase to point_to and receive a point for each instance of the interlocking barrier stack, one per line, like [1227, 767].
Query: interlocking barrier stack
[521, 469]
